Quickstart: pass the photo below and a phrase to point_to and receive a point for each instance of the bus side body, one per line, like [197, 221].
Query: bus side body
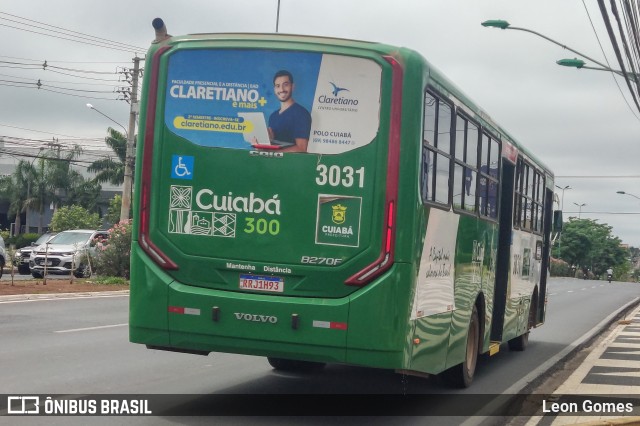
[395, 291]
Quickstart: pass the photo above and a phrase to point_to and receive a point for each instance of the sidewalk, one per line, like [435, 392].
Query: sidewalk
[611, 370]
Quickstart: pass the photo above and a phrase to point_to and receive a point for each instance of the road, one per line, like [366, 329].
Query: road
[80, 346]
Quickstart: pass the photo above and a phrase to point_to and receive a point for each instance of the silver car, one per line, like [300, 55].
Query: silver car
[22, 255]
[65, 253]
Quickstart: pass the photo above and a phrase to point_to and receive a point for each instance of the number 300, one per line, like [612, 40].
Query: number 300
[262, 226]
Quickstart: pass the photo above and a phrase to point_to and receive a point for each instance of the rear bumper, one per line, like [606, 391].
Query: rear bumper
[362, 329]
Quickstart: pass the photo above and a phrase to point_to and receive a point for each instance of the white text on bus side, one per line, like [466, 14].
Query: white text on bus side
[207, 200]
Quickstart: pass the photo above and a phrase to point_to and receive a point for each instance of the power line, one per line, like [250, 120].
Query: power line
[613, 76]
[36, 131]
[616, 47]
[59, 92]
[76, 36]
[67, 82]
[68, 62]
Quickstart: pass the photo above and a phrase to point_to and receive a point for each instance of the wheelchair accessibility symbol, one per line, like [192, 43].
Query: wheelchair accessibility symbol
[182, 167]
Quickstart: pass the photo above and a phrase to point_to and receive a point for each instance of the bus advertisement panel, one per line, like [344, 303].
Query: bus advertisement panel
[229, 99]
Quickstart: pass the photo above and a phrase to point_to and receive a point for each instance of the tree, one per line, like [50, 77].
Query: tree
[16, 189]
[108, 169]
[74, 217]
[113, 212]
[113, 255]
[83, 192]
[60, 178]
[590, 245]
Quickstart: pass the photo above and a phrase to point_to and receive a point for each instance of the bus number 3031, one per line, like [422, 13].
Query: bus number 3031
[336, 176]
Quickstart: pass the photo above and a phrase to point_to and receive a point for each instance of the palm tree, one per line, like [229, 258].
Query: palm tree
[108, 169]
[16, 189]
[38, 194]
[60, 178]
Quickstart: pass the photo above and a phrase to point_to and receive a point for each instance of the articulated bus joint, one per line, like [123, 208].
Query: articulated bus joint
[182, 351]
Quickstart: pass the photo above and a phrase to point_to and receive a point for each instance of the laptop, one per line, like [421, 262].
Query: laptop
[260, 132]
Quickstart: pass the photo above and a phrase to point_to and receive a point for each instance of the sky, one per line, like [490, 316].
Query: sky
[578, 122]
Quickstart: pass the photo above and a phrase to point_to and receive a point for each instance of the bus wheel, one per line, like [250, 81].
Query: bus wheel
[520, 343]
[461, 375]
[281, 364]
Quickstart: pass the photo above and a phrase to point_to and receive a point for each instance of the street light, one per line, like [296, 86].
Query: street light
[580, 207]
[563, 189]
[626, 193]
[579, 63]
[575, 63]
[102, 113]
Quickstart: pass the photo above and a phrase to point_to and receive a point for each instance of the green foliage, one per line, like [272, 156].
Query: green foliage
[74, 217]
[110, 280]
[112, 256]
[590, 246]
[560, 268]
[21, 240]
[109, 169]
[84, 192]
[113, 212]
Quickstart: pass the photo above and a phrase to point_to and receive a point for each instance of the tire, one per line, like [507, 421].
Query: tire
[521, 342]
[295, 366]
[83, 271]
[24, 270]
[36, 275]
[461, 375]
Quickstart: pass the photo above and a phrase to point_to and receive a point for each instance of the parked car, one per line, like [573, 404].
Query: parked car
[65, 253]
[22, 255]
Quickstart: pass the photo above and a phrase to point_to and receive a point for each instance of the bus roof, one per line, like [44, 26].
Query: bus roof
[406, 54]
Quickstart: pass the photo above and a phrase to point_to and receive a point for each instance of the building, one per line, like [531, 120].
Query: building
[10, 155]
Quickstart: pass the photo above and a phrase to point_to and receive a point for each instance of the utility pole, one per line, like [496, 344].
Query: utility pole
[129, 158]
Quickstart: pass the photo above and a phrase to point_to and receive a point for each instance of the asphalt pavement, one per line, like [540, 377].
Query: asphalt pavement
[603, 390]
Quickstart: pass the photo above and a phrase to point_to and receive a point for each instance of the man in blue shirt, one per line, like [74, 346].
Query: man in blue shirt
[291, 124]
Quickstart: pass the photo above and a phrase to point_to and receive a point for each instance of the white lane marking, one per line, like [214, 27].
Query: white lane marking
[90, 328]
[64, 296]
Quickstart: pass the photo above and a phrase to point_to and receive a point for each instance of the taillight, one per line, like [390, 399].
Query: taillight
[147, 163]
[385, 260]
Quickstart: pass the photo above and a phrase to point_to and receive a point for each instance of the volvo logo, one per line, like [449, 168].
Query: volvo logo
[256, 318]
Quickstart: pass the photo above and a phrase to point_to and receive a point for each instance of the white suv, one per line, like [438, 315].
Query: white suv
[65, 253]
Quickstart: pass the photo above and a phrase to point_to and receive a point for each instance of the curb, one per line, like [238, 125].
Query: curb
[50, 296]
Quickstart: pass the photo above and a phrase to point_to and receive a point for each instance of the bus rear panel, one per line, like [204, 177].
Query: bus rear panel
[329, 200]
[247, 247]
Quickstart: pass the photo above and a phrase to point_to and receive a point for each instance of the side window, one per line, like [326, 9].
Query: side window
[465, 176]
[436, 150]
[529, 197]
[489, 176]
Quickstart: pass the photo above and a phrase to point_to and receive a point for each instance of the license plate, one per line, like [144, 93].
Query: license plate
[47, 263]
[261, 283]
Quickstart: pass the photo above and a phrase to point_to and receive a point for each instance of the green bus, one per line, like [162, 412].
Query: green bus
[318, 200]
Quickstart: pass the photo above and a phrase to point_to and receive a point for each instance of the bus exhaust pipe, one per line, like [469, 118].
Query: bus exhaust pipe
[161, 30]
